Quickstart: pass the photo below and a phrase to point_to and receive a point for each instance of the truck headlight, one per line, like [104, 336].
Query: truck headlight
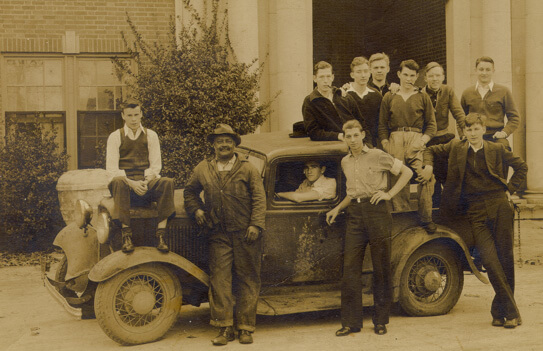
[83, 213]
[103, 227]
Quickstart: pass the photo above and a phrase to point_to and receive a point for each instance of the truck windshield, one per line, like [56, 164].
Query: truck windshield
[258, 160]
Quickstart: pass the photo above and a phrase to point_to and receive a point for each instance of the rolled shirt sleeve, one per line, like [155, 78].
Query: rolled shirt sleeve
[324, 186]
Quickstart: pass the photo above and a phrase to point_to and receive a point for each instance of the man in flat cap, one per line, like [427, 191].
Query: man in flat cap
[134, 163]
[234, 209]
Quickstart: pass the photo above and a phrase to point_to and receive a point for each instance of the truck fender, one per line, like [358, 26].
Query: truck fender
[81, 248]
[119, 261]
[413, 238]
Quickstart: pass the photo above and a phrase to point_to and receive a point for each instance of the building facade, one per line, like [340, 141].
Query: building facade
[55, 55]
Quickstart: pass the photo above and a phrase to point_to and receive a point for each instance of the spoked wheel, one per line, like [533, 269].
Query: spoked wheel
[138, 305]
[431, 281]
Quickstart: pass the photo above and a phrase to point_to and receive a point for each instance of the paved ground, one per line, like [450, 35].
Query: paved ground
[31, 320]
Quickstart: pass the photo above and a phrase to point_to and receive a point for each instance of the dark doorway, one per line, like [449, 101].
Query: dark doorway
[403, 29]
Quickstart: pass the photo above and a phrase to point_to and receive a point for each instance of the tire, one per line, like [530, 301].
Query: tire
[87, 308]
[431, 281]
[138, 305]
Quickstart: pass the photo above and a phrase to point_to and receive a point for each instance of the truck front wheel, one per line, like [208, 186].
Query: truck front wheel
[138, 305]
[431, 281]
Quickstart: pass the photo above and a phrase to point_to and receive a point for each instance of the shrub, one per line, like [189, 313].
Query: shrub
[30, 165]
[190, 84]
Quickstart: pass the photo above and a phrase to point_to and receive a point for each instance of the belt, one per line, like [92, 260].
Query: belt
[361, 199]
[407, 129]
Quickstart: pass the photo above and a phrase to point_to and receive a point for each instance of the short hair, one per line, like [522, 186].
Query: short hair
[379, 56]
[484, 59]
[352, 123]
[321, 163]
[432, 65]
[475, 118]
[321, 65]
[358, 61]
[411, 64]
[130, 103]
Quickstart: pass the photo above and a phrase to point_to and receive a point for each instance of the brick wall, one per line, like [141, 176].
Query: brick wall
[343, 29]
[39, 25]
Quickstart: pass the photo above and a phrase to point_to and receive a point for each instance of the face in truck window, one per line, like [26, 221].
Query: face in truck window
[310, 180]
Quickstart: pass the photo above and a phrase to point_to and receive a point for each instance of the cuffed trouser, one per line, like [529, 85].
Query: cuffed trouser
[408, 148]
[491, 220]
[441, 166]
[366, 223]
[234, 267]
[160, 190]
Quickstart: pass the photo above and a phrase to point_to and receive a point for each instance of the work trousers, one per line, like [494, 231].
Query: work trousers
[160, 190]
[366, 223]
[408, 147]
[491, 220]
[234, 267]
[441, 167]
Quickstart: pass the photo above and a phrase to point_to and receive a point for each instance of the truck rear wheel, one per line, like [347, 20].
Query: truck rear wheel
[431, 281]
[138, 305]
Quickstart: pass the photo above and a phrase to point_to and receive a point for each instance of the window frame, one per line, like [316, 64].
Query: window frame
[283, 204]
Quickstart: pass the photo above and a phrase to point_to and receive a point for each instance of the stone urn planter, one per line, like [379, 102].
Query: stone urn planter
[86, 184]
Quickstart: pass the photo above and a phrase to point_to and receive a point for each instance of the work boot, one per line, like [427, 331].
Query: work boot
[245, 337]
[161, 246]
[226, 334]
[127, 247]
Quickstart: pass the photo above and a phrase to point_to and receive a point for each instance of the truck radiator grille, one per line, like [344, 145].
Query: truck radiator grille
[187, 240]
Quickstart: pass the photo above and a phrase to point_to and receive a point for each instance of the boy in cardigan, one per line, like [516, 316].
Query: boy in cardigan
[495, 101]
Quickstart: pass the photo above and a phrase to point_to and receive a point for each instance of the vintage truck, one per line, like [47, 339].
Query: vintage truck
[136, 298]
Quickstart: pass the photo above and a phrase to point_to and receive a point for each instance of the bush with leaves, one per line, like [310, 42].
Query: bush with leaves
[30, 166]
[189, 85]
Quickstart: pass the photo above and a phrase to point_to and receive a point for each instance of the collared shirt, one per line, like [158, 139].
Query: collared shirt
[366, 92]
[114, 142]
[483, 89]
[433, 95]
[475, 149]
[366, 173]
[382, 89]
[221, 166]
[326, 187]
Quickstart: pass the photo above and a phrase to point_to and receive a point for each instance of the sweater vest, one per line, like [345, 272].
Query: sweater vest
[134, 155]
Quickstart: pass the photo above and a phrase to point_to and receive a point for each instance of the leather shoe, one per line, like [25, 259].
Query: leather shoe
[127, 247]
[226, 334]
[498, 322]
[245, 337]
[344, 331]
[161, 246]
[511, 323]
[430, 227]
[380, 329]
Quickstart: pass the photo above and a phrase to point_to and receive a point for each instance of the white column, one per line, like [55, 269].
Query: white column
[496, 35]
[291, 59]
[243, 29]
[534, 96]
[459, 65]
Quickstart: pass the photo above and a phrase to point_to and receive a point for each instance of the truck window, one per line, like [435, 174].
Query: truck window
[290, 175]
